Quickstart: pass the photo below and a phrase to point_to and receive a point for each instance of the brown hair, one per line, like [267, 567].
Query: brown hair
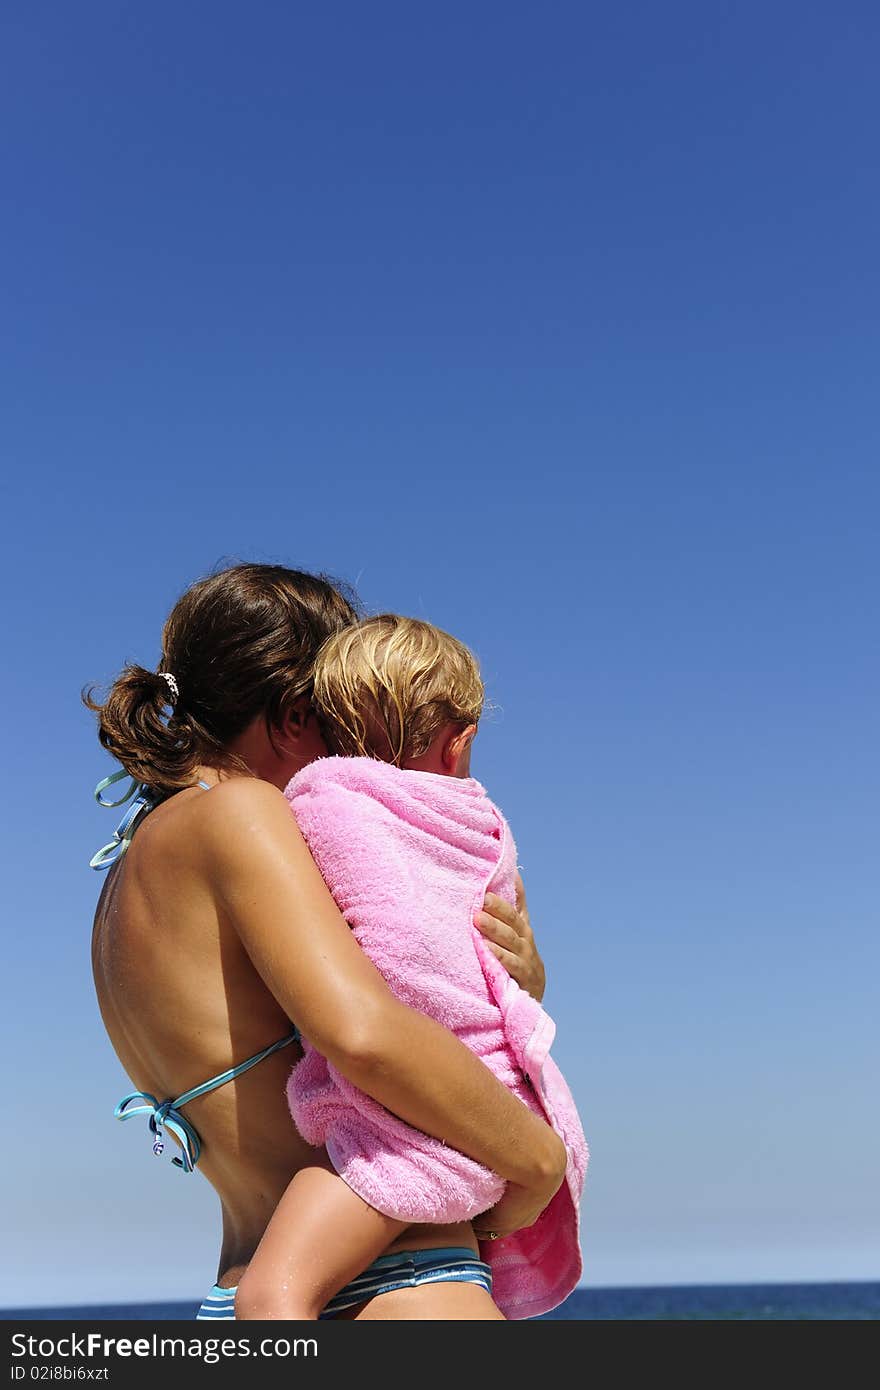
[239, 644]
[385, 688]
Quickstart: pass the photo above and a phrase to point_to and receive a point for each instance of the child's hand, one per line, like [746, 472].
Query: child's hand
[510, 938]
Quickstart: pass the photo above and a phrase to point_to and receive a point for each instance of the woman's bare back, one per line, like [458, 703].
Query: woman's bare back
[182, 1002]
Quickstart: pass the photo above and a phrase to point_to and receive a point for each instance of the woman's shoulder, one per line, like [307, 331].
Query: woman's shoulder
[240, 813]
[243, 794]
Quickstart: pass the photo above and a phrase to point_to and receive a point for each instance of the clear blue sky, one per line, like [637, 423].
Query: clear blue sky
[557, 326]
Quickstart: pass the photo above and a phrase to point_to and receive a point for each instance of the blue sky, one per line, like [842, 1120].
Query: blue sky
[557, 326]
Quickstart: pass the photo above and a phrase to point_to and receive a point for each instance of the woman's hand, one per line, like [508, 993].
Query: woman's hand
[509, 934]
[521, 1206]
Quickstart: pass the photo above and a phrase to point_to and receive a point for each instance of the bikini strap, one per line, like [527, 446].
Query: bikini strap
[143, 803]
[109, 854]
[224, 1076]
[161, 1116]
[133, 786]
[166, 1114]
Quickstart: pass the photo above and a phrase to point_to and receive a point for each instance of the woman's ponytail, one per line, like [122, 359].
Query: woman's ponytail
[134, 725]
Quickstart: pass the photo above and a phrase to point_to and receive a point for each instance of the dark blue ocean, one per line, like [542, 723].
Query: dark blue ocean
[700, 1302]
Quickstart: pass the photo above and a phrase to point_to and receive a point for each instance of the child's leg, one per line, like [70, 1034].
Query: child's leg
[320, 1237]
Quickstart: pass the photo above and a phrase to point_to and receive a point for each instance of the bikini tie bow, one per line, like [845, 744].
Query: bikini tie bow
[163, 1115]
[122, 835]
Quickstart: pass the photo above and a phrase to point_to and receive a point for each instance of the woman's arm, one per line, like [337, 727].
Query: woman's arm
[267, 884]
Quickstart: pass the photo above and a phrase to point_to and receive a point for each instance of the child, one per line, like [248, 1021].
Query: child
[408, 844]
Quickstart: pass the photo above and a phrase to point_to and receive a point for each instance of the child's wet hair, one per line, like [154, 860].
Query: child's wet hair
[385, 687]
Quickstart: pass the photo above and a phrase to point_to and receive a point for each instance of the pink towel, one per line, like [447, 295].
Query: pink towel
[408, 857]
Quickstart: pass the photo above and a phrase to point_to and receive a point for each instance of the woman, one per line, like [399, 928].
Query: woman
[215, 932]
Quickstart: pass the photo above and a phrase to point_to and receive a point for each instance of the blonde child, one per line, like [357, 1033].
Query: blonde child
[408, 843]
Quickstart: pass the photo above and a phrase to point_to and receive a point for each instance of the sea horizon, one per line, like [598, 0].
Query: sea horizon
[844, 1300]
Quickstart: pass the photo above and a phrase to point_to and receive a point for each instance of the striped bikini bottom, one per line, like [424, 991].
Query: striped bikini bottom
[407, 1269]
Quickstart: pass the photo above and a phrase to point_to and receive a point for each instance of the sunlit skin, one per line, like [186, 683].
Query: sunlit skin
[214, 931]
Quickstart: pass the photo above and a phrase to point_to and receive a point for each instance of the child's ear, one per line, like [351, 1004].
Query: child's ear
[457, 752]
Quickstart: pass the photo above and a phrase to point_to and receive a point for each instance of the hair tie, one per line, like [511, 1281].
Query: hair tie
[172, 686]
